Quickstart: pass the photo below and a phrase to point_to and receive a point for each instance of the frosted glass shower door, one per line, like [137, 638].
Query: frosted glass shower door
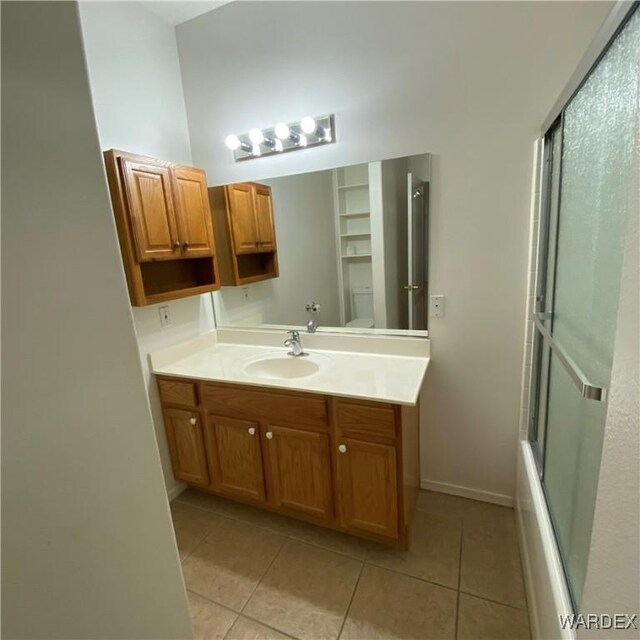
[598, 136]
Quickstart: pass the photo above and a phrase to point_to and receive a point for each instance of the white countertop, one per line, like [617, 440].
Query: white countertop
[382, 377]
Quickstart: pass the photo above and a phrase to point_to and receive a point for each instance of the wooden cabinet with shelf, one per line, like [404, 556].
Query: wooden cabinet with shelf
[164, 226]
[245, 231]
[350, 465]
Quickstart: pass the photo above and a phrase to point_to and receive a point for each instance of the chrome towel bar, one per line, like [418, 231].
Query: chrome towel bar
[588, 390]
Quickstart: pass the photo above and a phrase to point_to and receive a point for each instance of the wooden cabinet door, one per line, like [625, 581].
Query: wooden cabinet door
[264, 218]
[233, 447]
[368, 488]
[242, 217]
[148, 189]
[186, 445]
[299, 471]
[195, 228]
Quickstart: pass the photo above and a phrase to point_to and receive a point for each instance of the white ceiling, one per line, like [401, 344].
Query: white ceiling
[175, 12]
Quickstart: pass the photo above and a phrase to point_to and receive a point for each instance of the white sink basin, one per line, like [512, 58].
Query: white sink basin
[283, 367]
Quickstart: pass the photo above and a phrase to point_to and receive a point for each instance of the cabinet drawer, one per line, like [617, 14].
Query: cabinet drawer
[365, 421]
[177, 392]
[297, 410]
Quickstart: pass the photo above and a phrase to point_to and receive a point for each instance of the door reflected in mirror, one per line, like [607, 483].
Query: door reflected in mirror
[344, 249]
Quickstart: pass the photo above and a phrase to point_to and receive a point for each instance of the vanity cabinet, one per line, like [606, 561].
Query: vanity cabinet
[245, 230]
[164, 226]
[350, 465]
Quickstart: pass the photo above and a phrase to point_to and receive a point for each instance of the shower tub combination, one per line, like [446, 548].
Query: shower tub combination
[585, 177]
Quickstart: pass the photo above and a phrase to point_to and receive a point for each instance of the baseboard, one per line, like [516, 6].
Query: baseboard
[176, 490]
[467, 492]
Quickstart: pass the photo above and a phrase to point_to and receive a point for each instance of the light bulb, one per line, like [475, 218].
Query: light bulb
[308, 124]
[232, 141]
[302, 142]
[278, 146]
[255, 150]
[282, 131]
[256, 136]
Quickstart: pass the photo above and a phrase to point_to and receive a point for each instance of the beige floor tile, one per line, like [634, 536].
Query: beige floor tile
[329, 539]
[388, 605]
[198, 499]
[245, 629]
[441, 504]
[238, 510]
[228, 564]
[191, 526]
[434, 550]
[491, 565]
[306, 591]
[210, 620]
[482, 620]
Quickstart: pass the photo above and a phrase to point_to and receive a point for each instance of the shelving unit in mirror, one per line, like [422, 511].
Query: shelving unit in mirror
[164, 227]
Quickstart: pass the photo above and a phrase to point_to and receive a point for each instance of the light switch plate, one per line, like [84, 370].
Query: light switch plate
[436, 306]
[165, 317]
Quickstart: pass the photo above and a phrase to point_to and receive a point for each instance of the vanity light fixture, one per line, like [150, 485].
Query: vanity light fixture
[308, 132]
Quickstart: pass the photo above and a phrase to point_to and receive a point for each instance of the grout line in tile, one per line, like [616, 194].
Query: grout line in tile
[353, 595]
[504, 604]
[408, 575]
[282, 546]
[242, 615]
[239, 615]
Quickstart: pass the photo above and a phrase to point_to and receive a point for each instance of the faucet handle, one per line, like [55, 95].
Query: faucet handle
[295, 334]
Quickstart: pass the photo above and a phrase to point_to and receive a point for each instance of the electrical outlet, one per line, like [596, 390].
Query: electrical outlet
[245, 292]
[436, 306]
[165, 317]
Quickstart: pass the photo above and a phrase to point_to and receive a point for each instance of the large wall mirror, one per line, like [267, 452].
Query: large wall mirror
[351, 250]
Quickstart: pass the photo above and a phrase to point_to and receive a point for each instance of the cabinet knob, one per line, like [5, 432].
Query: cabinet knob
[252, 431]
[269, 435]
[186, 244]
[176, 245]
[193, 420]
[342, 448]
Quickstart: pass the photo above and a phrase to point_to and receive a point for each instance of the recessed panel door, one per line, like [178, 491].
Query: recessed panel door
[233, 447]
[300, 471]
[186, 446]
[242, 217]
[148, 190]
[195, 227]
[368, 486]
[264, 218]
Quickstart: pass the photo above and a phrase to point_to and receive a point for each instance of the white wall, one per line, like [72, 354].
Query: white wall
[87, 545]
[305, 233]
[137, 94]
[469, 82]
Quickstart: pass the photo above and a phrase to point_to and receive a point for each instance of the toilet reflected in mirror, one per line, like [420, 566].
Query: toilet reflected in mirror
[361, 308]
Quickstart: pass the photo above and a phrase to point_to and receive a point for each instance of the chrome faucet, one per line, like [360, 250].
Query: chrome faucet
[295, 344]
[313, 308]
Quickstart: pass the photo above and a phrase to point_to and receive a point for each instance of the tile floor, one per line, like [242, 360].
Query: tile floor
[254, 575]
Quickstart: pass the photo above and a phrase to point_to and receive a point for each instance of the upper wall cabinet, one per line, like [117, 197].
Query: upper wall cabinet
[244, 226]
[164, 226]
